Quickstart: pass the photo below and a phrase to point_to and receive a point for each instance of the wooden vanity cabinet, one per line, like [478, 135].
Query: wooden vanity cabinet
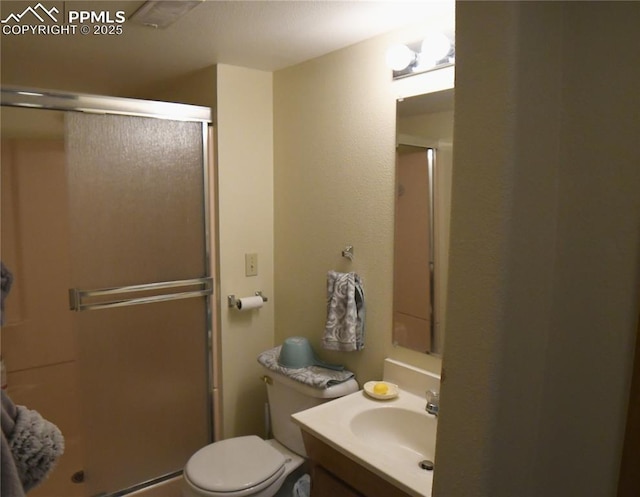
[324, 483]
[335, 475]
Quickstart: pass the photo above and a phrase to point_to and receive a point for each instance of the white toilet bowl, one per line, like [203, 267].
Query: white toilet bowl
[239, 467]
[250, 466]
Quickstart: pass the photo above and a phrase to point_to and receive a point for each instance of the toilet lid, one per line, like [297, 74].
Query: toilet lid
[235, 464]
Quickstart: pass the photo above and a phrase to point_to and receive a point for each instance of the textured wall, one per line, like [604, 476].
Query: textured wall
[334, 185]
[597, 267]
[245, 200]
[544, 243]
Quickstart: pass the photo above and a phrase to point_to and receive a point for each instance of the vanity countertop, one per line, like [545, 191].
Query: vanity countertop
[388, 437]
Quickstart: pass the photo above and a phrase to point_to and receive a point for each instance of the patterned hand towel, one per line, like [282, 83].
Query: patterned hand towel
[314, 376]
[344, 330]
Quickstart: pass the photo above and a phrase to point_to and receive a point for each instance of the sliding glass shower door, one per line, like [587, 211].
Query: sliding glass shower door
[138, 274]
[131, 252]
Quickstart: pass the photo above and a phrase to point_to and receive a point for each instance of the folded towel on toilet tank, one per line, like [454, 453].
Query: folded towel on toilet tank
[314, 376]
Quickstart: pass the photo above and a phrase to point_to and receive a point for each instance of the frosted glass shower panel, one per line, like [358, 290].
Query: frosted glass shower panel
[143, 385]
[136, 199]
[136, 204]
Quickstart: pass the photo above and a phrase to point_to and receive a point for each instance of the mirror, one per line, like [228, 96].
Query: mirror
[424, 153]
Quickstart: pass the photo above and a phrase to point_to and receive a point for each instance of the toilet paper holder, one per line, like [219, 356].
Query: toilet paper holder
[233, 301]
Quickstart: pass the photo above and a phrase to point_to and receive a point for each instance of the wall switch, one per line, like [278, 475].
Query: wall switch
[251, 264]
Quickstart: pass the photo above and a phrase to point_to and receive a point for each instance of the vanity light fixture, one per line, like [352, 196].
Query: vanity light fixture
[434, 48]
[400, 57]
[434, 51]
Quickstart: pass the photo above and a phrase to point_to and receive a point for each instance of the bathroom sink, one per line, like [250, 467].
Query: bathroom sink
[388, 437]
[403, 434]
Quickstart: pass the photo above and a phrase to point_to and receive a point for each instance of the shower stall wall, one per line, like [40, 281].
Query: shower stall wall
[108, 329]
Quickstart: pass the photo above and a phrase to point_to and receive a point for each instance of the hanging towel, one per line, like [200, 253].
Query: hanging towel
[314, 376]
[344, 330]
[31, 446]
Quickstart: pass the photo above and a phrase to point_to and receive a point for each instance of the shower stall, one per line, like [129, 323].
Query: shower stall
[107, 329]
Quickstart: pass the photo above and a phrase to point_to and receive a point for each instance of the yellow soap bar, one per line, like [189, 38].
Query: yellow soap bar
[380, 388]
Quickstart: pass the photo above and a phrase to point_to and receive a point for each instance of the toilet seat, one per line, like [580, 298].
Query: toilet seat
[236, 467]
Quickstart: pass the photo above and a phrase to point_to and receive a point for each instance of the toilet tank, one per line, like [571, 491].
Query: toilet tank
[287, 396]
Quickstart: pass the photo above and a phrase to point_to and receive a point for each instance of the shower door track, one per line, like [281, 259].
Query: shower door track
[12, 96]
[97, 104]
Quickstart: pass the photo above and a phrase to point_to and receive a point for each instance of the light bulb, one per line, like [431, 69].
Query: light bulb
[435, 47]
[399, 57]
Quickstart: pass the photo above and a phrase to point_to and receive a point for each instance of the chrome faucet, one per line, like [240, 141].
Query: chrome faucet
[433, 402]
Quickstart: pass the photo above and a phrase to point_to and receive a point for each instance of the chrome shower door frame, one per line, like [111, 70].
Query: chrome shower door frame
[12, 96]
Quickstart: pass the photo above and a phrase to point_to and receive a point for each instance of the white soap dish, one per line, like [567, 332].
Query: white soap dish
[391, 393]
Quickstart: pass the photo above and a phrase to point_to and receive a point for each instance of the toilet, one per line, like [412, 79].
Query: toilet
[249, 465]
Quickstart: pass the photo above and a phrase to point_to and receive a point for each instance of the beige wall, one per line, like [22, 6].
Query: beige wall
[334, 186]
[245, 198]
[544, 250]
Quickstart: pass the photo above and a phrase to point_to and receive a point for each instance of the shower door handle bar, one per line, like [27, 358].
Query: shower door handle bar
[141, 300]
[77, 297]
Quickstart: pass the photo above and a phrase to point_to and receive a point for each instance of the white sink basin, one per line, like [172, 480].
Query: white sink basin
[388, 437]
[403, 434]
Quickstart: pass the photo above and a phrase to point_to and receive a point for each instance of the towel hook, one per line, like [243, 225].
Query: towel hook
[348, 252]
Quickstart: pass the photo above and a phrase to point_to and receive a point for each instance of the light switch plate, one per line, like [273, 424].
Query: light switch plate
[251, 264]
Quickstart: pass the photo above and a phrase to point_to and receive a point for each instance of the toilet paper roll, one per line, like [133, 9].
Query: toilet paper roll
[247, 303]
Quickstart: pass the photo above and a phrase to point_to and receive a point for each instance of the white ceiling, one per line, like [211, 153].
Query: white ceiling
[267, 35]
